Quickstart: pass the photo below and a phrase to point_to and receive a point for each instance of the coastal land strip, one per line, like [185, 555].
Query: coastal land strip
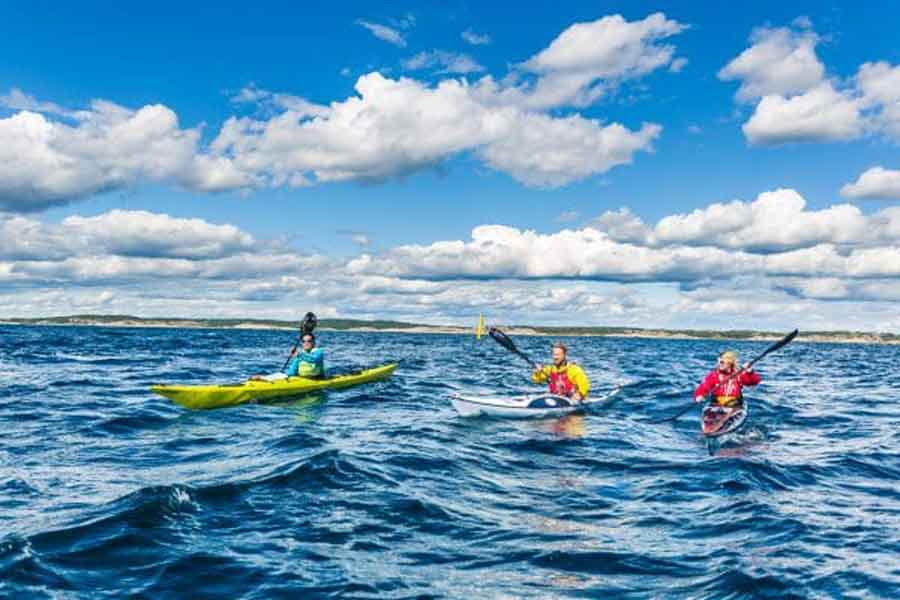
[382, 326]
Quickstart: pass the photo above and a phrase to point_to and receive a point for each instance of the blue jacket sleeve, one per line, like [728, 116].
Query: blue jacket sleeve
[293, 367]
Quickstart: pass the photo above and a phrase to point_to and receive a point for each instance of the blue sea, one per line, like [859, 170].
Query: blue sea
[382, 491]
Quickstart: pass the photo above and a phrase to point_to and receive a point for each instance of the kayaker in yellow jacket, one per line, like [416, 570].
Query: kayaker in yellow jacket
[563, 378]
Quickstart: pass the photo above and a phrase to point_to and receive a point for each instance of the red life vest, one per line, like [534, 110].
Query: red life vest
[559, 382]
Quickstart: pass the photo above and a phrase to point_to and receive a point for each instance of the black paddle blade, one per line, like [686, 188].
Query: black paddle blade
[309, 323]
[502, 339]
[778, 345]
[787, 340]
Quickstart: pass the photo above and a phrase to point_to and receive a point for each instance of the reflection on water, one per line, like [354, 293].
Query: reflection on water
[305, 408]
[571, 426]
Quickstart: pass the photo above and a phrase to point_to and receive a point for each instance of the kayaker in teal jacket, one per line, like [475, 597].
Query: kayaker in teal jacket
[309, 362]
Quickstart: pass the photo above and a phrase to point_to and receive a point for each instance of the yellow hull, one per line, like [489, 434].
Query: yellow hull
[220, 396]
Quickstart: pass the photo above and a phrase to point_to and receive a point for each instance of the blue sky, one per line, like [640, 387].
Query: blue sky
[263, 159]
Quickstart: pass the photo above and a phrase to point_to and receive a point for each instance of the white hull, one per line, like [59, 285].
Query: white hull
[523, 407]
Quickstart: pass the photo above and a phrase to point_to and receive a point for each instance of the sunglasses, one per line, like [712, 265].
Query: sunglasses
[307, 341]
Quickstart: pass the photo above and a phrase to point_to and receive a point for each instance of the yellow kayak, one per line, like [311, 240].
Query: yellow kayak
[219, 396]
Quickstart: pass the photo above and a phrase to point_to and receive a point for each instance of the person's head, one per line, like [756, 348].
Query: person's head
[728, 361]
[309, 341]
[559, 353]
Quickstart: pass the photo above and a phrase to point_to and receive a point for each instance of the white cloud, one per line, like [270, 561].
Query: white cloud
[819, 115]
[780, 62]
[876, 182]
[390, 127]
[45, 163]
[828, 268]
[773, 243]
[587, 59]
[444, 62]
[796, 103]
[623, 226]
[144, 234]
[367, 137]
[879, 84]
[497, 251]
[475, 39]
[776, 221]
[16, 99]
[383, 32]
[138, 244]
[374, 135]
[550, 152]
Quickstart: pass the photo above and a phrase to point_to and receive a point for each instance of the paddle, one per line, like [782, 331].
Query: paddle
[307, 325]
[776, 346]
[503, 339]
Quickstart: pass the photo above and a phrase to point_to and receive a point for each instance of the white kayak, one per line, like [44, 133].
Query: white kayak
[530, 406]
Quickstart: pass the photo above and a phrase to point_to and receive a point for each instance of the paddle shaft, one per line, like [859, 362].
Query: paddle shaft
[293, 350]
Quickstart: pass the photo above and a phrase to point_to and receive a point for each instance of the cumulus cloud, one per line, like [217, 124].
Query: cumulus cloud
[775, 242]
[45, 163]
[876, 182]
[374, 136]
[383, 32]
[820, 115]
[796, 102]
[497, 251]
[703, 268]
[879, 84]
[550, 152]
[475, 39]
[123, 244]
[146, 234]
[390, 127]
[780, 62]
[588, 59]
[776, 221]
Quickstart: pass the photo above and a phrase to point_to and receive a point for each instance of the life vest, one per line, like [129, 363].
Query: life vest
[729, 400]
[560, 383]
[729, 389]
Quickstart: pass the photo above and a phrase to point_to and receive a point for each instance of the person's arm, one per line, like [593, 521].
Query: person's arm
[293, 367]
[540, 374]
[750, 377]
[582, 383]
[705, 387]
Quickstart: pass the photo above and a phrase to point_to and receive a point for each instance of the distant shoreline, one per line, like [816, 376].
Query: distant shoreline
[354, 325]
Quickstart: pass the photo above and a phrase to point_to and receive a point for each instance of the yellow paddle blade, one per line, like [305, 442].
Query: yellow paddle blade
[480, 328]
